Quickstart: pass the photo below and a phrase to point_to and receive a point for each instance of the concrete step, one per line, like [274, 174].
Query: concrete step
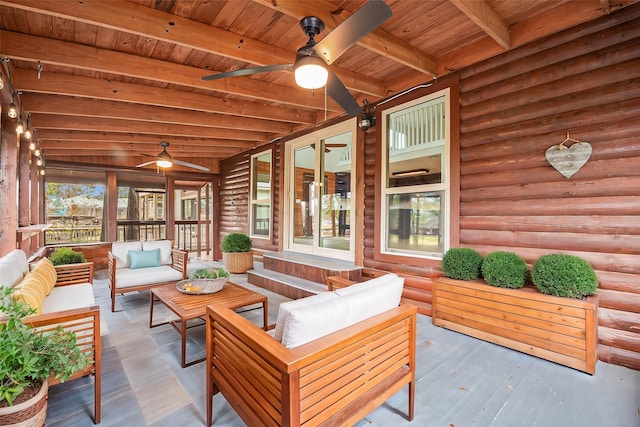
[310, 267]
[284, 284]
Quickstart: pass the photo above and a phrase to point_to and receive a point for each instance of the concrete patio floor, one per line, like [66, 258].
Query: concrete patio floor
[461, 381]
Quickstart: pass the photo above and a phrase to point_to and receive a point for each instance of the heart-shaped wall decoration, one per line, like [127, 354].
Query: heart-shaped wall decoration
[568, 160]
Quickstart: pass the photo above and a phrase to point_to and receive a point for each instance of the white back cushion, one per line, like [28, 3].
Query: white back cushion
[310, 322]
[287, 307]
[120, 251]
[163, 245]
[381, 280]
[13, 267]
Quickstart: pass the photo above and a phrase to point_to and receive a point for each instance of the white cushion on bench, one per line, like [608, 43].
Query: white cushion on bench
[120, 251]
[163, 245]
[127, 277]
[69, 297]
[13, 267]
[309, 322]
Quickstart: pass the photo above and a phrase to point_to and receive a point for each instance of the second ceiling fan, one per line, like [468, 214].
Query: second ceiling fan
[311, 62]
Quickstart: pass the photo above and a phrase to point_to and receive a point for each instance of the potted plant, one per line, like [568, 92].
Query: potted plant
[28, 357]
[503, 310]
[63, 256]
[236, 253]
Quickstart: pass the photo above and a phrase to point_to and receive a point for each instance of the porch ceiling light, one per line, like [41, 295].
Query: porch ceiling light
[164, 163]
[310, 72]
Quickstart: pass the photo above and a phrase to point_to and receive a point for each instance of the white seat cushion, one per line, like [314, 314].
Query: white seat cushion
[163, 245]
[69, 297]
[120, 251]
[125, 277]
[13, 267]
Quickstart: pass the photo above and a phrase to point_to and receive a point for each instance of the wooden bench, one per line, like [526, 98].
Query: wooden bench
[334, 380]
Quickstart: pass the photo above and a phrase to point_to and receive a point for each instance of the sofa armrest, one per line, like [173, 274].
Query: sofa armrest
[179, 261]
[70, 274]
[84, 322]
[337, 282]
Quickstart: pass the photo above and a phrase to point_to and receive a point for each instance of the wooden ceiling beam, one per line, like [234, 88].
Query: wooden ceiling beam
[378, 41]
[51, 121]
[62, 53]
[67, 84]
[482, 14]
[136, 138]
[156, 24]
[550, 22]
[122, 148]
[73, 106]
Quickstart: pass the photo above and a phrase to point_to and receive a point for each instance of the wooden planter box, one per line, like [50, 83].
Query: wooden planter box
[562, 330]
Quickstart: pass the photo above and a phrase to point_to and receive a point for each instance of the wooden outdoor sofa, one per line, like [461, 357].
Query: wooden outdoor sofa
[69, 303]
[328, 379]
[138, 266]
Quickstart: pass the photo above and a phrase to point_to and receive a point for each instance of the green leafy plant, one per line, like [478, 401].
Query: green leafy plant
[236, 242]
[29, 356]
[209, 273]
[462, 263]
[504, 270]
[62, 256]
[564, 275]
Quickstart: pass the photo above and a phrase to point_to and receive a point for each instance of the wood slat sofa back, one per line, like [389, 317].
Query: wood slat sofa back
[334, 380]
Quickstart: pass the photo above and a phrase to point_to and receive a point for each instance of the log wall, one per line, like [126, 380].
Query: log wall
[233, 199]
[585, 82]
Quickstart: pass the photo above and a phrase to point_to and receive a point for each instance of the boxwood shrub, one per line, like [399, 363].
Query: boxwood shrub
[504, 270]
[462, 263]
[564, 275]
[236, 242]
[63, 256]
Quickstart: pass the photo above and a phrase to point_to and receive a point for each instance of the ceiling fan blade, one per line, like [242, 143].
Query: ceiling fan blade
[248, 71]
[191, 165]
[147, 155]
[335, 145]
[141, 165]
[341, 95]
[358, 25]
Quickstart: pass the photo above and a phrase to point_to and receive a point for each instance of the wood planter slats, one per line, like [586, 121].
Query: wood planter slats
[562, 330]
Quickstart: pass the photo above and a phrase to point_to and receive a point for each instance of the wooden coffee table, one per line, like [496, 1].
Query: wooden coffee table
[189, 307]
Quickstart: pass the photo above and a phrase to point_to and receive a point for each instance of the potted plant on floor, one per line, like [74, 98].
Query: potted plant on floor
[28, 357]
[236, 253]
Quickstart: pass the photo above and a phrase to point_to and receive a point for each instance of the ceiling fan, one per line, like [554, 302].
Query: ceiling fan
[311, 60]
[164, 160]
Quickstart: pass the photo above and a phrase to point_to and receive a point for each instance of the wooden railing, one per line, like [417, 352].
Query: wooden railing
[185, 233]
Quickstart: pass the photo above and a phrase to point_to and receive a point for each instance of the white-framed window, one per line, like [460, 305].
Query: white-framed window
[260, 196]
[415, 177]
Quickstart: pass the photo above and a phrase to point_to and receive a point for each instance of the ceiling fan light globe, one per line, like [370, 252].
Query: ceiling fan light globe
[164, 163]
[311, 73]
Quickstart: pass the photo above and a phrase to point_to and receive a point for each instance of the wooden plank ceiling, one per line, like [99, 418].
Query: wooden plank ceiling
[118, 77]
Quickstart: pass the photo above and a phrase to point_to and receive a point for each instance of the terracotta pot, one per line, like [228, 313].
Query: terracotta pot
[31, 413]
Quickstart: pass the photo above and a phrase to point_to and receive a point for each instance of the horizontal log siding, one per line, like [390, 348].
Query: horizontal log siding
[585, 81]
[234, 197]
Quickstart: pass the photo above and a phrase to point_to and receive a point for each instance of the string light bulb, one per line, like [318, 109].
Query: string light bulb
[37, 152]
[13, 111]
[1, 82]
[32, 146]
[20, 127]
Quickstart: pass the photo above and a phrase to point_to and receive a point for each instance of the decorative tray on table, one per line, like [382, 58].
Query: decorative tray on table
[201, 286]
